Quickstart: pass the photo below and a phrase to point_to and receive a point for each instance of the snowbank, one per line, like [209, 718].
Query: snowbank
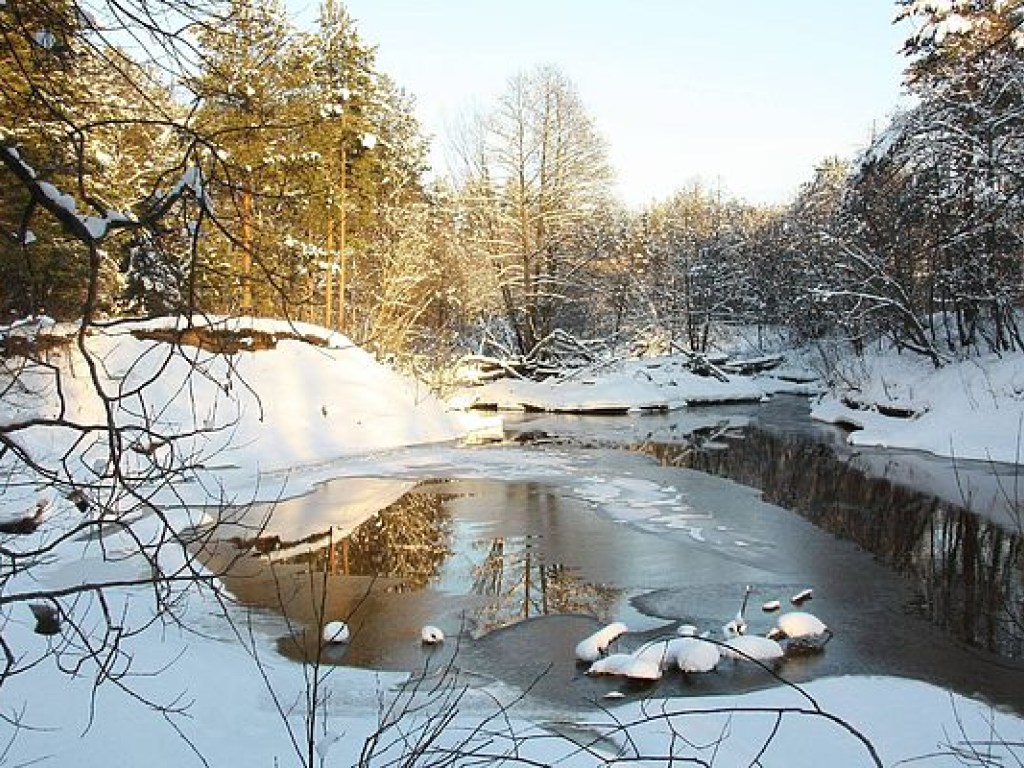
[280, 417]
[629, 386]
[243, 421]
[971, 409]
[231, 717]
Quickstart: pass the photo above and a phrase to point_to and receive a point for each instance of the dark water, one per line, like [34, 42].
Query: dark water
[966, 570]
[517, 572]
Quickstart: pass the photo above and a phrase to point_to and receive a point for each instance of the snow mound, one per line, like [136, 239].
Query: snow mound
[628, 386]
[233, 418]
[972, 409]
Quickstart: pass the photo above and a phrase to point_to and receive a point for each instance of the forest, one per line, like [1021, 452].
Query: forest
[179, 158]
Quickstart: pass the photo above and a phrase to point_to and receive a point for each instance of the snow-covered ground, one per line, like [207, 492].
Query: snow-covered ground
[328, 410]
[655, 384]
[972, 409]
[248, 421]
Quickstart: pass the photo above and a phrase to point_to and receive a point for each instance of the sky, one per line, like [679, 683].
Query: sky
[746, 96]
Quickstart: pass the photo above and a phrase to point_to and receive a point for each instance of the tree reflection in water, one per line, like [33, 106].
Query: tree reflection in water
[518, 584]
[396, 572]
[406, 543]
[368, 578]
[972, 580]
[967, 569]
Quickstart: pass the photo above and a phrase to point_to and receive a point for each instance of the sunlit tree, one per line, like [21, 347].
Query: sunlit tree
[534, 169]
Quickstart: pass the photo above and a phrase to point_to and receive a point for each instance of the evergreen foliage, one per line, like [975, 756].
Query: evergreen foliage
[247, 166]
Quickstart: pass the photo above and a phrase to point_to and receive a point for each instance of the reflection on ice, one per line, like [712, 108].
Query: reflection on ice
[307, 523]
[967, 570]
[406, 566]
[515, 572]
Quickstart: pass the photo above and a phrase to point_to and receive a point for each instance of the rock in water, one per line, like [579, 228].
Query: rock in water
[336, 632]
[591, 648]
[431, 635]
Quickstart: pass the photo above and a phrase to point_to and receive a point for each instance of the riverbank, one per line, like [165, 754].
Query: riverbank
[967, 409]
[971, 408]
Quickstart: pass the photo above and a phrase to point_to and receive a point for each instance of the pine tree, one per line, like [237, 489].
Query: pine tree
[91, 122]
[254, 111]
[374, 158]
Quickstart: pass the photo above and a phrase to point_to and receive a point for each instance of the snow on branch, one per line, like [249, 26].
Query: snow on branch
[90, 229]
[191, 181]
[95, 228]
[27, 327]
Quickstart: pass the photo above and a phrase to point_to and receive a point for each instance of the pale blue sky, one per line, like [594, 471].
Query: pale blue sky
[748, 94]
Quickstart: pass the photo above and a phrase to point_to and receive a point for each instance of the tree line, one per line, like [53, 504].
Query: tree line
[229, 162]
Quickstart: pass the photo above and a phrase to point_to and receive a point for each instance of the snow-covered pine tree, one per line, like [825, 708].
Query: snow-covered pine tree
[90, 121]
[254, 111]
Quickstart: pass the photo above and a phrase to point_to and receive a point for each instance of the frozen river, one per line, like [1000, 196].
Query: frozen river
[519, 550]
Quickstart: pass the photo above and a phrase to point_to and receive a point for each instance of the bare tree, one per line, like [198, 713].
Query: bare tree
[102, 168]
[536, 169]
[925, 245]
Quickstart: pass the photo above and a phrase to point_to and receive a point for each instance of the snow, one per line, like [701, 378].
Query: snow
[696, 656]
[797, 624]
[969, 409]
[629, 386]
[256, 419]
[67, 202]
[318, 412]
[752, 648]
[431, 635]
[336, 632]
[591, 648]
[732, 730]
[615, 664]
[192, 180]
[233, 719]
[99, 226]
[45, 39]
[972, 409]
[28, 327]
[96, 227]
